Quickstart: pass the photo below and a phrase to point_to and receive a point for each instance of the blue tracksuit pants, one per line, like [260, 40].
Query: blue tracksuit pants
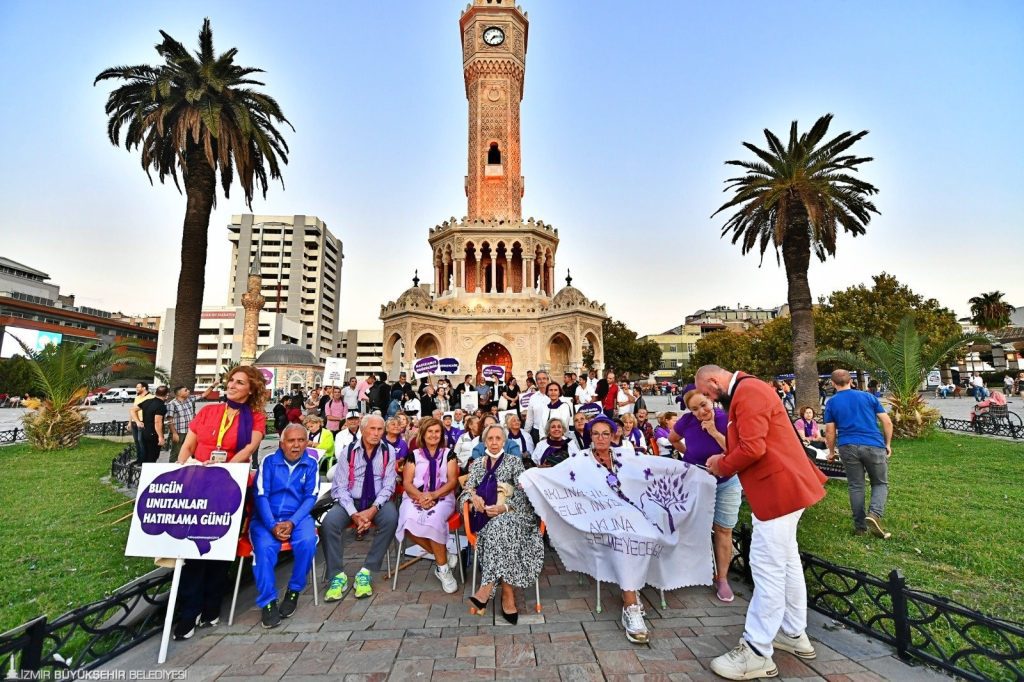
[265, 549]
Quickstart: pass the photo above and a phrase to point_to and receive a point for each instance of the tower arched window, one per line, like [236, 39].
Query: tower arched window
[494, 155]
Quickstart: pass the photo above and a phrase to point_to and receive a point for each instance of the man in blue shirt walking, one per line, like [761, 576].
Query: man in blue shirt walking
[862, 448]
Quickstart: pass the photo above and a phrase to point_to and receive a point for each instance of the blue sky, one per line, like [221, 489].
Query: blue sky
[630, 110]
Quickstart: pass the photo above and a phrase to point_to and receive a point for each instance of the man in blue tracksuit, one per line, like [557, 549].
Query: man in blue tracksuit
[286, 489]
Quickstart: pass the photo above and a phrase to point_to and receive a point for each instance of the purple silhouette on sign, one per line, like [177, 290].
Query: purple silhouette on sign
[193, 503]
[572, 475]
[648, 473]
[667, 493]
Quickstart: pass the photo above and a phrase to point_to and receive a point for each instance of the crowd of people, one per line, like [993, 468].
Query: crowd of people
[392, 473]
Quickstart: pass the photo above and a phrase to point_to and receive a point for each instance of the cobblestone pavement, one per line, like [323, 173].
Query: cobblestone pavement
[418, 633]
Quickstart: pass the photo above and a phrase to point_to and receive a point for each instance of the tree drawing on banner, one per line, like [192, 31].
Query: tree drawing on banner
[667, 493]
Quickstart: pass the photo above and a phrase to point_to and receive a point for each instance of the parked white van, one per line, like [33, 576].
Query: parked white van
[120, 395]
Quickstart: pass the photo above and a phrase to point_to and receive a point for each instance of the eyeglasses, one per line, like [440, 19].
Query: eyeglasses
[600, 435]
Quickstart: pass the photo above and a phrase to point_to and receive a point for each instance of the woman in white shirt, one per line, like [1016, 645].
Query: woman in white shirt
[624, 400]
[467, 441]
[554, 409]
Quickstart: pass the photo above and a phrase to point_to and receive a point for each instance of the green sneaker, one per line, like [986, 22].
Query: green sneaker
[337, 589]
[363, 586]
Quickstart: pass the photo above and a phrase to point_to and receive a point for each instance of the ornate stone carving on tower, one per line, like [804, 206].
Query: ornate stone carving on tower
[252, 302]
[494, 299]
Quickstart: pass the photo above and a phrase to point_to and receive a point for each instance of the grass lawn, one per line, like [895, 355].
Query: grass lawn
[57, 553]
[954, 510]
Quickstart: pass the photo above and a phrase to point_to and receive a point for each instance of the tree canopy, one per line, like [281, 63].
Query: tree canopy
[989, 311]
[624, 352]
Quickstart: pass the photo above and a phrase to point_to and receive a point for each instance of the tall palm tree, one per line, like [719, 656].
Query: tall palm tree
[196, 114]
[989, 311]
[794, 198]
[902, 364]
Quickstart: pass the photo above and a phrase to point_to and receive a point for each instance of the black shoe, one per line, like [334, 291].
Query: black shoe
[184, 630]
[288, 604]
[212, 623]
[271, 615]
[481, 606]
[511, 618]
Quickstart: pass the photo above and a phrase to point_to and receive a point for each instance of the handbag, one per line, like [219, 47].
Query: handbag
[502, 403]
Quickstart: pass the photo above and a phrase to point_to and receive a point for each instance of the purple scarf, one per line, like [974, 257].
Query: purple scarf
[522, 442]
[488, 490]
[244, 424]
[553, 447]
[369, 493]
[432, 461]
[808, 428]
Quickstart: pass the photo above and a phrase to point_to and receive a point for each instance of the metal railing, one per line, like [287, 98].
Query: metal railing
[919, 625]
[1007, 428]
[111, 428]
[123, 468]
[88, 636]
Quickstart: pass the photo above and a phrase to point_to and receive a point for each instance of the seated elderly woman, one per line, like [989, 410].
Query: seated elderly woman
[995, 399]
[429, 478]
[508, 543]
[632, 435]
[553, 449]
[514, 429]
[666, 421]
[579, 439]
[467, 441]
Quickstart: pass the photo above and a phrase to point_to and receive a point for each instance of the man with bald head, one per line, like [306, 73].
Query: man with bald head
[780, 482]
[364, 481]
[862, 447]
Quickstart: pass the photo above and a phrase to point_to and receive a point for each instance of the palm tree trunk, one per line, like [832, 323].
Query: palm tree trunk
[200, 192]
[796, 254]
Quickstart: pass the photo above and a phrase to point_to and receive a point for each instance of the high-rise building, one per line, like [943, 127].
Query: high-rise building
[300, 262]
[363, 350]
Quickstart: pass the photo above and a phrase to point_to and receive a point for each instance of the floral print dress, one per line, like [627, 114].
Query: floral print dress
[509, 547]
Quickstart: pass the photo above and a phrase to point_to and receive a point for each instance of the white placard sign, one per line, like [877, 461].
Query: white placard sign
[334, 372]
[470, 401]
[188, 512]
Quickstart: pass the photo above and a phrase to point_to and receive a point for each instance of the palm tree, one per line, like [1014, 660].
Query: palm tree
[989, 311]
[902, 364]
[62, 375]
[794, 198]
[197, 115]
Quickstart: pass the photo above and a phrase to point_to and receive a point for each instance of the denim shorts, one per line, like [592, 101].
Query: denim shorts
[727, 503]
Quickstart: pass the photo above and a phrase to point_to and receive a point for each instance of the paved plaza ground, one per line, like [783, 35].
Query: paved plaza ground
[418, 633]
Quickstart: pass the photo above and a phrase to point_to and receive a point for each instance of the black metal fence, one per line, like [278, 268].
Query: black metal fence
[88, 636]
[985, 427]
[111, 428]
[919, 625]
[123, 468]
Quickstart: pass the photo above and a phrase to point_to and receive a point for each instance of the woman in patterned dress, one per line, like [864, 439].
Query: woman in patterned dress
[508, 543]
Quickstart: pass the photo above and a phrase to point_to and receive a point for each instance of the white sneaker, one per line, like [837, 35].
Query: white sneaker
[453, 561]
[448, 582]
[743, 663]
[798, 646]
[633, 622]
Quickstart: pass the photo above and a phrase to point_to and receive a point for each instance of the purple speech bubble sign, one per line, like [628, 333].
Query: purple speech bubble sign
[193, 503]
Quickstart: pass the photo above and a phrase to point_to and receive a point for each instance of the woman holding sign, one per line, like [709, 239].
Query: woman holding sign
[222, 432]
[508, 544]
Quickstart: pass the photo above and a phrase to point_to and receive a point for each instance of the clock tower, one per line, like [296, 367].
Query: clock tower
[494, 35]
[494, 297]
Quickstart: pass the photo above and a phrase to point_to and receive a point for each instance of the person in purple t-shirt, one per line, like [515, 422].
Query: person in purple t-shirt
[699, 434]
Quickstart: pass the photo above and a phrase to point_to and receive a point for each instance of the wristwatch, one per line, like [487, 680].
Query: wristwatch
[376, 505]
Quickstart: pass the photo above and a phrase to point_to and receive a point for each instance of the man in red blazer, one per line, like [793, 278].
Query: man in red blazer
[780, 482]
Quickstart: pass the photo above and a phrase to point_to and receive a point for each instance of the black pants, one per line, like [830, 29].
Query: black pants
[201, 589]
[150, 447]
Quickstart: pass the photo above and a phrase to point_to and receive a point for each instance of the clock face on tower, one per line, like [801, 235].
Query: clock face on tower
[494, 36]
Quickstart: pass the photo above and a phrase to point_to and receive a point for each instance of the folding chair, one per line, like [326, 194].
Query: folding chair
[454, 524]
